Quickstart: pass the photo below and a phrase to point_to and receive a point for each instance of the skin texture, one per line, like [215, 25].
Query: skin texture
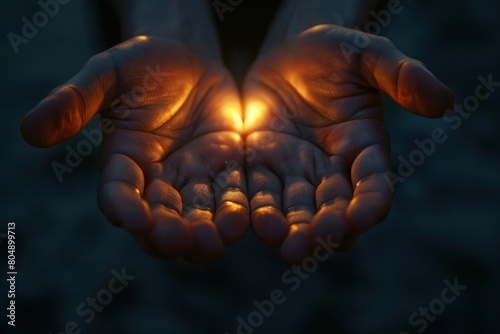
[178, 156]
[317, 149]
[172, 164]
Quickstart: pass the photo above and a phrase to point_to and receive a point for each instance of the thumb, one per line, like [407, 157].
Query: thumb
[406, 80]
[69, 107]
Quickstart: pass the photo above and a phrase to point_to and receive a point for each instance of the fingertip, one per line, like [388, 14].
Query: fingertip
[123, 207]
[270, 226]
[329, 223]
[232, 222]
[297, 246]
[366, 210]
[421, 92]
[146, 246]
[26, 130]
[55, 119]
[407, 81]
[33, 130]
[207, 244]
[171, 235]
[138, 217]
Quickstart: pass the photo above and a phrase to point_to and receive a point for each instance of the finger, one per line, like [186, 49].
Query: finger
[333, 190]
[120, 194]
[297, 246]
[265, 193]
[232, 214]
[299, 206]
[332, 196]
[406, 80]
[372, 193]
[198, 199]
[330, 223]
[207, 243]
[171, 234]
[199, 207]
[70, 107]
[298, 200]
[159, 192]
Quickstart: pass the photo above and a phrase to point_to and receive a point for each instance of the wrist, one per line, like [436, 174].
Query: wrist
[188, 22]
[296, 16]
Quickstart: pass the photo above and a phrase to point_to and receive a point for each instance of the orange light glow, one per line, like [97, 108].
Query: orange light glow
[231, 110]
[253, 114]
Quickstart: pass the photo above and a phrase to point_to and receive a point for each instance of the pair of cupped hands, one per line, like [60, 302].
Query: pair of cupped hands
[190, 162]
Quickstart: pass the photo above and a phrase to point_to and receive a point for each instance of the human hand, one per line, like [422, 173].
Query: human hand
[172, 175]
[317, 147]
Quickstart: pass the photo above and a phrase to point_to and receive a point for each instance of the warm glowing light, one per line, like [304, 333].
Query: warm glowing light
[253, 113]
[231, 110]
[297, 82]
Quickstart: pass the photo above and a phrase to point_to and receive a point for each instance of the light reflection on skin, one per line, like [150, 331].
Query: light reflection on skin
[253, 114]
[233, 112]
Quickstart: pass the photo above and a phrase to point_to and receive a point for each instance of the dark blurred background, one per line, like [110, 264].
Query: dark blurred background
[444, 223]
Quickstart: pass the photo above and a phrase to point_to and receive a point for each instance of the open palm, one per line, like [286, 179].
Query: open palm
[317, 147]
[172, 174]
